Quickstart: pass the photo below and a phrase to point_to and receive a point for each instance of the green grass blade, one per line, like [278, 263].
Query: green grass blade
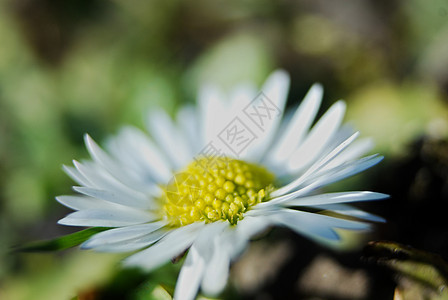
[61, 243]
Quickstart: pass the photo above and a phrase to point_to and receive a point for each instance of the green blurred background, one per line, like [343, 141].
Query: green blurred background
[73, 66]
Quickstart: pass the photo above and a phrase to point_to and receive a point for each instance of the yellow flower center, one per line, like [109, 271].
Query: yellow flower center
[215, 188]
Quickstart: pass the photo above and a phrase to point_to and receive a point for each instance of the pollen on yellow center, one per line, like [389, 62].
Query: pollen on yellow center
[212, 189]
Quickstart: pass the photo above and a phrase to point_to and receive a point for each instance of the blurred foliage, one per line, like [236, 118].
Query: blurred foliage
[69, 67]
[50, 277]
[394, 115]
[421, 275]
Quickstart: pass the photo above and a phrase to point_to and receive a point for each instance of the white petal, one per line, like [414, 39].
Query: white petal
[202, 254]
[81, 203]
[343, 133]
[239, 236]
[76, 175]
[317, 166]
[190, 276]
[348, 210]
[169, 138]
[115, 197]
[134, 149]
[214, 112]
[297, 127]
[106, 218]
[354, 151]
[348, 169]
[187, 119]
[133, 244]
[217, 269]
[122, 174]
[102, 180]
[276, 87]
[93, 175]
[318, 138]
[221, 116]
[251, 226]
[121, 234]
[315, 226]
[173, 244]
[266, 113]
[204, 242]
[327, 177]
[240, 97]
[333, 198]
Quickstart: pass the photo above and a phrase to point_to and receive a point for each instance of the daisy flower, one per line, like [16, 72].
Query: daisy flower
[216, 176]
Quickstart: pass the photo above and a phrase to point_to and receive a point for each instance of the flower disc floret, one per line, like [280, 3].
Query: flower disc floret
[212, 189]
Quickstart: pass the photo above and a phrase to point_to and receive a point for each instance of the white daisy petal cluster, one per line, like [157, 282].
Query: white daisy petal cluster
[267, 169]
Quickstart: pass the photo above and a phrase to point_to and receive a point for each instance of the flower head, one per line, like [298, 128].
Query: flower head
[224, 171]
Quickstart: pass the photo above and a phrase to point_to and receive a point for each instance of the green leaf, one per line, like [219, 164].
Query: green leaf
[419, 272]
[152, 291]
[61, 243]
